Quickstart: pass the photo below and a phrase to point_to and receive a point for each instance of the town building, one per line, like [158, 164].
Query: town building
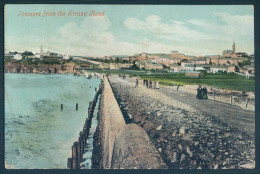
[18, 56]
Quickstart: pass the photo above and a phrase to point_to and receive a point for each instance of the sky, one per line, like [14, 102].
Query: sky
[129, 29]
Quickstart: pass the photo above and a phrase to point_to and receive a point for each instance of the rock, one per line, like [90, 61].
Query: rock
[183, 130]
[173, 134]
[183, 157]
[168, 147]
[226, 153]
[196, 144]
[189, 152]
[204, 157]
[159, 128]
[216, 166]
[159, 114]
[180, 147]
[211, 155]
[156, 135]
[173, 158]
[160, 149]
[227, 135]
[248, 166]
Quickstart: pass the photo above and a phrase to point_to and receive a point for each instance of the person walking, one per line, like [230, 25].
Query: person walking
[136, 83]
[150, 84]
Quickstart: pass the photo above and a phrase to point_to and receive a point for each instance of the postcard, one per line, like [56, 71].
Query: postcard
[129, 86]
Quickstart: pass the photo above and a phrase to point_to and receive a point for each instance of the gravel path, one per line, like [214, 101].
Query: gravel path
[189, 134]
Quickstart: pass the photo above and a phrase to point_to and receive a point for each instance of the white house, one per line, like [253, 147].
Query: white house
[18, 56]
[66, 56]
[215, 69]
[37, 55]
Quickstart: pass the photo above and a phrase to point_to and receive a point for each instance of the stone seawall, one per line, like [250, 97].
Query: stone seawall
[117, 145]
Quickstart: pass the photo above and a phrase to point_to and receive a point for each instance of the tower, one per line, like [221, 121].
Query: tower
[41, 49]
[234, 47]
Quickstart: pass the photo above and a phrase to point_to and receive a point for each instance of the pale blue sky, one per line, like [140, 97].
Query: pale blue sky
[130, 29]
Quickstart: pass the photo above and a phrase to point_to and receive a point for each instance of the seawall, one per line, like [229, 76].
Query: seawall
[118, 145]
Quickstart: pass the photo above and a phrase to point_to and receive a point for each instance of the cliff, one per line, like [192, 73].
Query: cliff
[41, 68]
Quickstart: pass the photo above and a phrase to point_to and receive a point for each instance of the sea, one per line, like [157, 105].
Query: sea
[38, 134]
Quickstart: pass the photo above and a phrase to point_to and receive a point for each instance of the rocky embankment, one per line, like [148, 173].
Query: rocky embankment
[185, 137]
[41, 68]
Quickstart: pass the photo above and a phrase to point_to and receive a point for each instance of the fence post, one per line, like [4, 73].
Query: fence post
[69, 164]
[247, 100]
[74, 156]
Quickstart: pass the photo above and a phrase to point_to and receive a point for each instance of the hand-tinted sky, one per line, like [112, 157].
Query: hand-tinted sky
[130, 29]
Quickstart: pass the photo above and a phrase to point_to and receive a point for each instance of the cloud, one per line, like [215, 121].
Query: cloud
[236, 24]
[93, 36]
[197, 22]
[199, 33]
[175, 30]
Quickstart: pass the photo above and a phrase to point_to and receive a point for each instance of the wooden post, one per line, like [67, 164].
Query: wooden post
[78, 155]
[74, 156]
[82, 147]
[231, 99]
[77, 106]
[69, 164]
[61, 107]
[247, 100]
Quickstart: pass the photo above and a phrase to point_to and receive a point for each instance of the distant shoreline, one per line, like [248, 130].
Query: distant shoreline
[67, 68]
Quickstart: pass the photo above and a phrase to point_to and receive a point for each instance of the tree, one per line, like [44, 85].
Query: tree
[245, 62]
[236, 69]
[27, 53]
[184, 60]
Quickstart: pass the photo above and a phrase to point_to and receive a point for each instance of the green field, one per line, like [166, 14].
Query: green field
[220, 80]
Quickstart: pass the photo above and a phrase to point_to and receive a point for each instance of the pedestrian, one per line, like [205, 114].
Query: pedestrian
[150, 84]
[146, 81]
[154, 84]
[136, 83]
[157, 85]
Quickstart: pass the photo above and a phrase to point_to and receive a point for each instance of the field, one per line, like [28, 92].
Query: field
[220, 80]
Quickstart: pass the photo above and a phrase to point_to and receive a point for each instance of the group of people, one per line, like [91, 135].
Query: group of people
[150, 84]
[122, 76]
[202, 92]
